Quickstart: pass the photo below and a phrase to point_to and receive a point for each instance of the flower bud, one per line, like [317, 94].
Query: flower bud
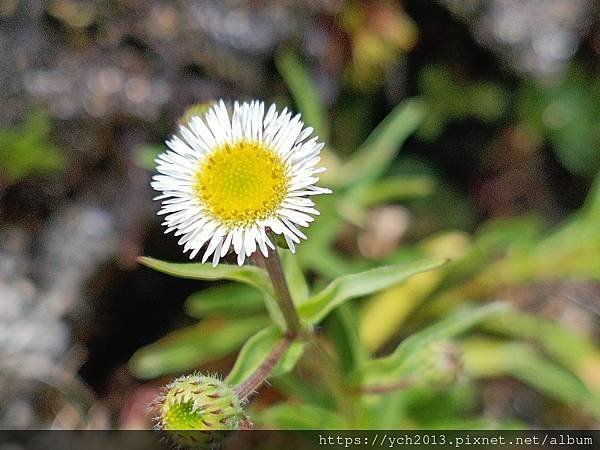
[195, 405]
[197, 109]
[441, 365]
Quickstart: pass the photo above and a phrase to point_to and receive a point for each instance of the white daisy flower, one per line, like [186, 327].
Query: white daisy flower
[227, 180]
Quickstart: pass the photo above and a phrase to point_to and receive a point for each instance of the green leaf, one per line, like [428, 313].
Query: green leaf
[572, 350]
[484, 357]
[425, 405]
[344, 333]
[382, 145]
[316, 252]
[294, 385]
[250, 275]
[407, 354]
[361, 284]
[190, 347]
[294, 277]
[256, 349]
[287, 416]
[27, 149]
[232, 299]
[304, 92]
[395, 188]
[144, 156]
[591, 208]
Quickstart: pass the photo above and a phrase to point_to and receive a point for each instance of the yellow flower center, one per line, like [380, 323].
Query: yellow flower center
[242, 182]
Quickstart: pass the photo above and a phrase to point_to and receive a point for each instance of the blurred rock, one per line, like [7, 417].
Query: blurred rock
[41, 282]
[538, 37]
[95, 60]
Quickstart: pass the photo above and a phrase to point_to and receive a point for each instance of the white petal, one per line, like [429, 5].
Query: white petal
[240, 258]
[238, 236]
[217, 254]
[290, 243]
[217, 239]
[226, 243]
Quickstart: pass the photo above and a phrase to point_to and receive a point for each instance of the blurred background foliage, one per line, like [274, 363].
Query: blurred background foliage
[460, 130]
[26, 150]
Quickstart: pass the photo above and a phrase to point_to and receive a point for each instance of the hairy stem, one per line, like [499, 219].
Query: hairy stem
[272, 264]
[258, 377]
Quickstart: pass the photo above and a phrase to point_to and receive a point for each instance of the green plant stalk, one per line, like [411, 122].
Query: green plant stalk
[320, 359]
[272, 264]
[254, 381]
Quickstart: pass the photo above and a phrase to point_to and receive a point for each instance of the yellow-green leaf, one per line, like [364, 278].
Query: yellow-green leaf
[190, 347]
[250, 275]
[360, 284]
[231, 299]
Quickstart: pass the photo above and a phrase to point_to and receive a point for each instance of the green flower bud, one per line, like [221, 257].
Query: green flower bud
[441, 365]
[198, 109]
[195, 405]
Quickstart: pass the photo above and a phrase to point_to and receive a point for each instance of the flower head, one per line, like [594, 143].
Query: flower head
[441, 365]
[228, 179]
[192, 406]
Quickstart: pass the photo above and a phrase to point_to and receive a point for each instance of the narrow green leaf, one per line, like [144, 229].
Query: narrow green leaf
[287, 416]
[250, 275]
[232, 299]
[304, 92]
[485, 357]
[294, 277]
[382, 145]
[407, 354]
[395, 188]
[344, 333]
[360, 284]
[190, 347]
[256, 349]
[572, 350]
[591, 208]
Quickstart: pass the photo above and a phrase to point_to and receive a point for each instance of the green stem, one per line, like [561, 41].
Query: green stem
[258, 377]
[272, 264]
[319, 359]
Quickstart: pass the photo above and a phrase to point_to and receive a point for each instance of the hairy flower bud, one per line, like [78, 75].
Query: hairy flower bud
[195, 405]
[441, 365]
